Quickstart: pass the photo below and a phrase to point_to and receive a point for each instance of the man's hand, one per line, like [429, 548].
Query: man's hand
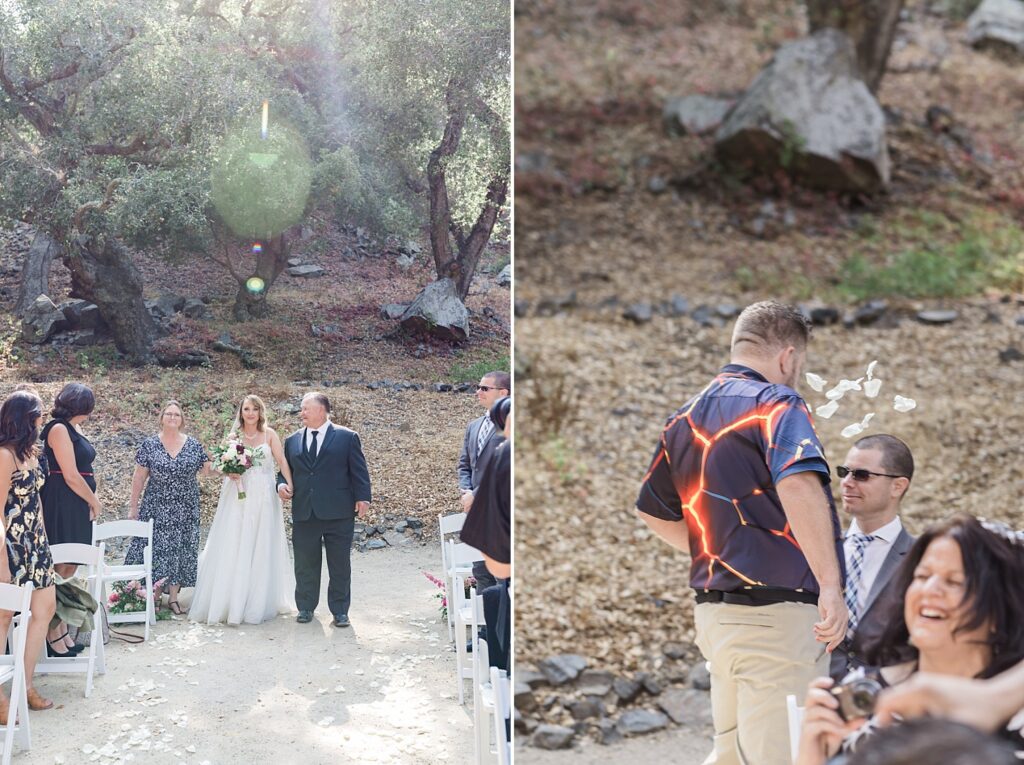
[361, 509]
[834, 618]
[467, 500]
[284, 492]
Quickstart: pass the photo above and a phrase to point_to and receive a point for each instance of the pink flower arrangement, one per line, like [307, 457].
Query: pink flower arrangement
[442, 594]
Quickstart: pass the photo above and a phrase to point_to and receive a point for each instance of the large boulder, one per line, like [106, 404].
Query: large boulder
[81, 314]
[41, 320]
[808, 113]
[997, 24]
[438, 311]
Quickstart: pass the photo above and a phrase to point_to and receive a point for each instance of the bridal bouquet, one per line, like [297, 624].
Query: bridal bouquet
[234, 458]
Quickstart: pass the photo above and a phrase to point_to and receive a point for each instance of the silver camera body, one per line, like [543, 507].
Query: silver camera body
[857, 694]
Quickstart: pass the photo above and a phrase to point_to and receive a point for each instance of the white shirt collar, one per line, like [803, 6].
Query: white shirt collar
[887, 533]
[321, 430]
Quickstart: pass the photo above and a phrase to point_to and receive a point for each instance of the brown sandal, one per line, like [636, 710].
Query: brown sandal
[5, 710]
[36, 702]
[175, 608]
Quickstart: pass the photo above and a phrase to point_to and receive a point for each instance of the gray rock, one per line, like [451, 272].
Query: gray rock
[81, 315]
[703, 315]
[870, 312]
[674, 650]
[638, 721]
[586, 709]
[552, 737]
[531, 677]
[594, 682]
[294, 261]
[41, 320]
[809, 112]
[504, 277]
[696, 114]
[307, 272]
[414, 523]
[640, 313]
[550, 306]
[937, 316]
[401, 526]
[997, 23]
[1010, 354]
[727, 310]
[627, 690]
[521, 308]
[700, 677]
[442, 388]
[1020, 321]
[608, 732]
[84, 337]
[437, 311]
[678, 306]
[376, 544]
[650, 683]
[169, 304]
[405, 261]
[657, 185]
[195, 308]
[562, 668]
[823, 316]
[686, 706]
[524, 700]
[393, 311]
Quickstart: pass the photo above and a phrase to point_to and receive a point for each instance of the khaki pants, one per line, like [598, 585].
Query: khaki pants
[758, 655]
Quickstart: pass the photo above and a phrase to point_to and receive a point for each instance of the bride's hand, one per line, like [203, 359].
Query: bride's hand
[235, 477]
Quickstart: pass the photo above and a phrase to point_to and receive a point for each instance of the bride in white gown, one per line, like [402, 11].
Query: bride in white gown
[245, 572]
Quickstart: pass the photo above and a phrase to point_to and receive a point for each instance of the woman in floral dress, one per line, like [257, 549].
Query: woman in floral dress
[167, 465]
[27, 558]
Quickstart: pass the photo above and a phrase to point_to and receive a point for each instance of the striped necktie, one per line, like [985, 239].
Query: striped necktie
[853, 576]
[486, 428]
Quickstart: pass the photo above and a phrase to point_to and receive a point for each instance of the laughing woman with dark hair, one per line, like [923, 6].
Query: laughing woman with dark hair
[27, 558]
[69, 497]
[961, 614]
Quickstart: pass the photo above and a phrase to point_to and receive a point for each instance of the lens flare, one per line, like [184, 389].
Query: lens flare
[255, 285]
[257, 249]
[266, 115]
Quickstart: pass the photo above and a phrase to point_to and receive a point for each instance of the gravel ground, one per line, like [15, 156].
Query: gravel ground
[380, 692]
[681, 746]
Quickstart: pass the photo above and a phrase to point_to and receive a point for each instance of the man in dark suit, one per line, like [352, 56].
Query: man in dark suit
[873, 481]
[332, 487]
[477, 448]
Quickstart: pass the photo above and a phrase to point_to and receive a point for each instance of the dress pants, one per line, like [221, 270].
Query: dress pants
[309, 538]
[758, 655]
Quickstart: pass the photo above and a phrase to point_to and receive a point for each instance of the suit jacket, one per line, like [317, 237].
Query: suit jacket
[329, 487]
[850, 653]
[470, 463]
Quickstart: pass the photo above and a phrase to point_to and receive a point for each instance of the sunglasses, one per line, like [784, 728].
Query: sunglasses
[487, 387]
[860, 474]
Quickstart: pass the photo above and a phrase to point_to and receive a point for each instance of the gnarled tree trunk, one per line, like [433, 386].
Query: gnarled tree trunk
[35, 271]
[270, 263]
[871, 24]
[458, 264]
[103, 273]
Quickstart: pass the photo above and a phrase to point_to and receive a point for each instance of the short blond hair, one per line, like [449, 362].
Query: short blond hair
[771, 326]
[252, 398]
[163, 410]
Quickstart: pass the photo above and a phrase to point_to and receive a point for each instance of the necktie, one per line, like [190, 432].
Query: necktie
[486, 428]
[312, 448]
[853, 576]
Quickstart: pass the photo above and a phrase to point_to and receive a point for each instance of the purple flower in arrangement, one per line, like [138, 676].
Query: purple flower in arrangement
[240, 449]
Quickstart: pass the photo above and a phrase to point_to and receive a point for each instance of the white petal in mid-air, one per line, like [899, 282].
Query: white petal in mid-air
[871, 368]
[817, 383]
[871, 387]
[857, 428]
[840, 390]
[827, 410]
[901, 404]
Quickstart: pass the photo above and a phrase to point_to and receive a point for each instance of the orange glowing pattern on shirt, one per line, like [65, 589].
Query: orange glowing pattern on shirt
[690, 498]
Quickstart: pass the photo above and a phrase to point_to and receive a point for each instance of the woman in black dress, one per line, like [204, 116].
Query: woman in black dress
[27, 557]
[167, 464]
[69, 497]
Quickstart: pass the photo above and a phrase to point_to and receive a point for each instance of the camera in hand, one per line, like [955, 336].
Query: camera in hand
[857, 695]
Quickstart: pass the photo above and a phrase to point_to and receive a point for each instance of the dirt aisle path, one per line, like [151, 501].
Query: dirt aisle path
[381, 691]
[679, 746]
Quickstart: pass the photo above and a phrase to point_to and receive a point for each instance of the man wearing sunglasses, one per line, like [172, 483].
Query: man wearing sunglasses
[873, 480]
[477, 448]
[739, 481]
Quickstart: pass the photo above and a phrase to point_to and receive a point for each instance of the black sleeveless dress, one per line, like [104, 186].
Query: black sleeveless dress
[65, 513]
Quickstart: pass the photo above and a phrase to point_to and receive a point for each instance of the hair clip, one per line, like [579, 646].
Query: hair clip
[1003, 530]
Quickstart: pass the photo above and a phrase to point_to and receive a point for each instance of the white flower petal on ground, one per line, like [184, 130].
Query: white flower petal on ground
[816, 382]
[325, 721]
[871, 388]
[901, 404]
[827, 410]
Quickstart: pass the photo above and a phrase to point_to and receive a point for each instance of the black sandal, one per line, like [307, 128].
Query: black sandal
[73, 650]
[175, 608]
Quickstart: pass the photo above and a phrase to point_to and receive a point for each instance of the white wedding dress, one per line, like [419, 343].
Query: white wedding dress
[245, 572]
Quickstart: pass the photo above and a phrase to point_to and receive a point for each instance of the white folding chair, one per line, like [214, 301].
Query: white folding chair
[93, 659]
[460, 558]
[502, 712]
[122, 573]
[448, 524]
[483, 694]
[795, 713]
[12, 667]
